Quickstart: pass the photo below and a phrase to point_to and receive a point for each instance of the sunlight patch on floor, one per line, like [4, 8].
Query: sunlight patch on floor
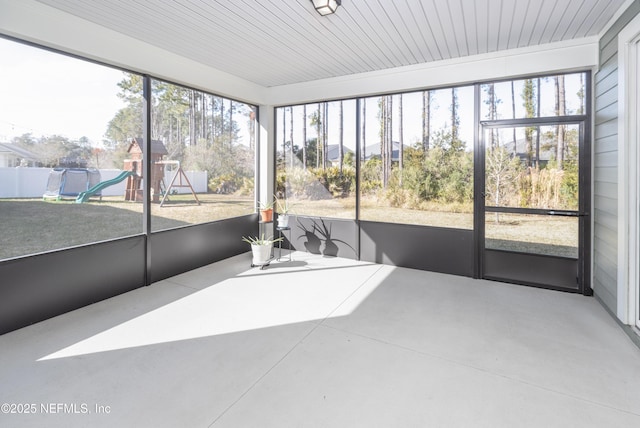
[253, 300]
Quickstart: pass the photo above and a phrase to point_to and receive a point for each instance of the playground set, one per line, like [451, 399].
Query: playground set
[84, 183]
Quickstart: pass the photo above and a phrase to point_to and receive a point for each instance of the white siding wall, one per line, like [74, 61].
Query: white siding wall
[605, 159]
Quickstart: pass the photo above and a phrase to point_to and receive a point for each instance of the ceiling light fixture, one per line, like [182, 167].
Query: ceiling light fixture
[326, 7]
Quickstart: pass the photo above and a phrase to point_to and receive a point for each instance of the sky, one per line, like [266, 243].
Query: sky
[412, 118]
[44, 93]
[412, 113]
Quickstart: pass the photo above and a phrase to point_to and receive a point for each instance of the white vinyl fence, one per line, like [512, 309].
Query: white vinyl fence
[23, 182]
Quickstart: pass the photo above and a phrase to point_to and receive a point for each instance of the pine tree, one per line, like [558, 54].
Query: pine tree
[455, 118]
[400, 141]
[560, 111]
[341, 140]
[304, 136]
[426, 120]
[284, 136]
[528, 99]
[291, 138]
[492, 102]
[513, 111]
[364, 129]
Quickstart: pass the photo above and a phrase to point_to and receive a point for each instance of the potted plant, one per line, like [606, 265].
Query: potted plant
[266, 212]
[261, 249]
[283, 212]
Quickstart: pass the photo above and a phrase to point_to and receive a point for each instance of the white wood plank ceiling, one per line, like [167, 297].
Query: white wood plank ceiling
[278, 42]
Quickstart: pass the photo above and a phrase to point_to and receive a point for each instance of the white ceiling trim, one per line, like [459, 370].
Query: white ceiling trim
[554, 57]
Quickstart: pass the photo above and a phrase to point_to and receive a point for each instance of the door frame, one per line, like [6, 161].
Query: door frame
[584, 194]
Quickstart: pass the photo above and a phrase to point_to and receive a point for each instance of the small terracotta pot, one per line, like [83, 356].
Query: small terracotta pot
[266, 215]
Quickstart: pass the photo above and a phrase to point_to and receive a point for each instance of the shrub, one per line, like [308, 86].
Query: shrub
[339, 184]
[227, 184]
[248, 186]
[316, 183]
[370, 173]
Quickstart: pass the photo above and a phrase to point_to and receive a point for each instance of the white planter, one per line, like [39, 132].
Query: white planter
[261, 254]
[283, 220]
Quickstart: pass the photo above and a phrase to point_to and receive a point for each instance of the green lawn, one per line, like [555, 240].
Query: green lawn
[372, 209]
[550, 235]
[30, 226]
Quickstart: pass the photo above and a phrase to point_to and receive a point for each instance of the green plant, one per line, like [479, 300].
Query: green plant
[254, 240]
[224, 184]
[282, 205]
[247, 187]
[266, 205]
[337, 183]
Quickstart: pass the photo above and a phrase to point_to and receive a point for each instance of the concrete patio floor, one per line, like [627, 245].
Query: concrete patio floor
[323, 342]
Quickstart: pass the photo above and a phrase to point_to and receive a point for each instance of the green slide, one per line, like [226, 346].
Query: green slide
[84, 196]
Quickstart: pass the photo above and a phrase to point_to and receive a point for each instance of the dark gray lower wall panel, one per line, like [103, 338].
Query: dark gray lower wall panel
[531, 269]
[329, 237]
[434, 249]
[176, 251]
[35, 288]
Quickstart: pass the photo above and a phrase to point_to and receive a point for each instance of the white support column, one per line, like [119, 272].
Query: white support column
[266, 162]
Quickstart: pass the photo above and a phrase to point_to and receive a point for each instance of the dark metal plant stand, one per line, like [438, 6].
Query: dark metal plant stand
[282, 231]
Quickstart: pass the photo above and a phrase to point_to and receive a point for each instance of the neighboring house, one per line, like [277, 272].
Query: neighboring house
[333, 153]
[373, 151]
[12, 156]
[540, 148]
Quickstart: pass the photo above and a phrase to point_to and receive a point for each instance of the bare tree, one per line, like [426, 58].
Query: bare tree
[252, 128]
[231, 109]
[325, 132]
[426, 120]
[203, 116]
[317, 121]
[341, 140]
[581, 94]
[284, 136]
[528, 98]
[513, 110]
[455, 118]
[560, 111]
[291, 138]
[213, 120]
[387, 138]
[501, 172]
[304, 136]
[222, 127]
[400, 141]
[192, 118]
[383, 112]
[364, 129]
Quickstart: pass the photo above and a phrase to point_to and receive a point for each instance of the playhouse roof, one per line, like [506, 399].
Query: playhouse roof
[17, 151]
[157, 147]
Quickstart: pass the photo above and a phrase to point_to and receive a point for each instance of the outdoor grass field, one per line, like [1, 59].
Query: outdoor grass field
[31, 226]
